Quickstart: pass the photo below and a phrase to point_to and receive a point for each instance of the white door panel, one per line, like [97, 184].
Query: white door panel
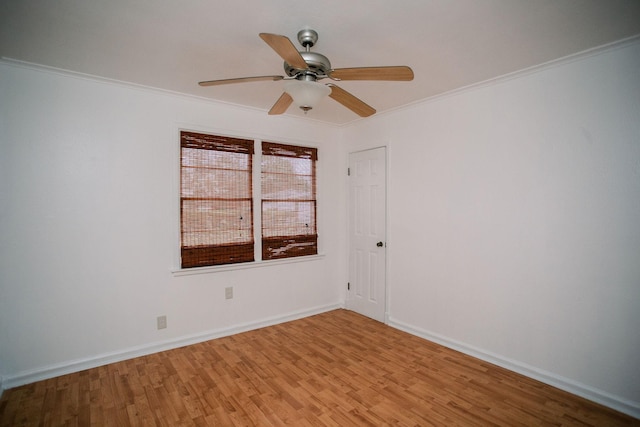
[367, 233]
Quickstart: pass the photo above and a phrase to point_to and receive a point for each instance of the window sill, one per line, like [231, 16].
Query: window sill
[243, 266]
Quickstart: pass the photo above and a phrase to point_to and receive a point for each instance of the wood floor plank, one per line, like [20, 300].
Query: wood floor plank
[333, 369]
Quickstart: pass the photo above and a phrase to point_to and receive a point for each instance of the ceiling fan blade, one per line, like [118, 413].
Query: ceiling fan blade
[240, 80]
[281, 104]
[399, 73]
[287, 51]
[350, 101]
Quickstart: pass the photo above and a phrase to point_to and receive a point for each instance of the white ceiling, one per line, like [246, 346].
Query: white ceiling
[171, 44]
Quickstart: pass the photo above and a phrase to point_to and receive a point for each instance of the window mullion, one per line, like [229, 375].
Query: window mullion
[257, 200]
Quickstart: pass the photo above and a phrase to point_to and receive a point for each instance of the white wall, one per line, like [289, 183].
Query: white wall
[514, 221]
[89, 221]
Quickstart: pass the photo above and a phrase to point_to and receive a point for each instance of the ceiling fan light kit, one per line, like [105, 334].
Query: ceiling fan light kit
[305, 68]
[306, 94]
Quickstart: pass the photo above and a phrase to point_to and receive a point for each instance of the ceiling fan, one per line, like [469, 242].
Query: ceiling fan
[304, 69]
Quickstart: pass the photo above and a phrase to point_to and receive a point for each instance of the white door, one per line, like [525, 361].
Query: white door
[367, 233]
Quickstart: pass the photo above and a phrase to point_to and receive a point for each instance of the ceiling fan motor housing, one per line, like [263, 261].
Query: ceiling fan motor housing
[317, 64]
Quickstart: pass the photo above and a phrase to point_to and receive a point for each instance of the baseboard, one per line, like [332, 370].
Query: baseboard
[598, 396]
[27, 377]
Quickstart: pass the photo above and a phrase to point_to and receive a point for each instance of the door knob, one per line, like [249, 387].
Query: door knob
[379, 244]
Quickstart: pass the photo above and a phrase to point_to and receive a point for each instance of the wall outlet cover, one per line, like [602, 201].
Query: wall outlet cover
[162, 322]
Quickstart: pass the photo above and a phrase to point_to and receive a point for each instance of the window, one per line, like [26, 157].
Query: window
[216, 203]
[288, 201]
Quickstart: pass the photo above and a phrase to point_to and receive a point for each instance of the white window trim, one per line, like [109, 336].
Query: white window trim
[245, 265]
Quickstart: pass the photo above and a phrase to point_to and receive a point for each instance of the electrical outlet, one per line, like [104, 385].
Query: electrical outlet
[228, 292]
[162, 322]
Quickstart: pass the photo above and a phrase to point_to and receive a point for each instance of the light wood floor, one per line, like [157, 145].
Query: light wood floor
[333, 369]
